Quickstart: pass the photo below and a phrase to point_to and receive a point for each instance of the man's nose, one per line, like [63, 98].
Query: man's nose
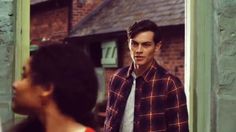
[140, 48]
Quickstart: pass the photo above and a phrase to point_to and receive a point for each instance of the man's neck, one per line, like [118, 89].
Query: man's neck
[140, 70]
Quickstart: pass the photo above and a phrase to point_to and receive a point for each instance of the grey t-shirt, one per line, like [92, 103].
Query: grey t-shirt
[128, 117]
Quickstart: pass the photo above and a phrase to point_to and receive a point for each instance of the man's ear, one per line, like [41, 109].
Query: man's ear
[158, 46]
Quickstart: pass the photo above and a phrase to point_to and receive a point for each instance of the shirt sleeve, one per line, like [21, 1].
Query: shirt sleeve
[176, 107]
[107, 125]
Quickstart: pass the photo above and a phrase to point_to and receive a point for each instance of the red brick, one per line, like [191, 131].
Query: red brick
[79, 12]
[51, 24]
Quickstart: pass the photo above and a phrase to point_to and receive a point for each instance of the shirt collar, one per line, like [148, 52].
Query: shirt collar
[149, 73]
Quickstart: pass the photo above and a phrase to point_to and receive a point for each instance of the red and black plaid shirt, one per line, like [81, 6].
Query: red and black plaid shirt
[160, 101]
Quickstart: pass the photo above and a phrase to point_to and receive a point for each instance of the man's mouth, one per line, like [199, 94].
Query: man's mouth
[138, 58]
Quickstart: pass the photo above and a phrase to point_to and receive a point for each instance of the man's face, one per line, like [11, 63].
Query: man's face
[142, 48]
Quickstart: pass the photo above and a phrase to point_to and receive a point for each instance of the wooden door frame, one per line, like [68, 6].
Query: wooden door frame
[22, 36]
[198, 60]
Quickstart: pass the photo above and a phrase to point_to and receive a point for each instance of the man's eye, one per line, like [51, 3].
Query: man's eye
[146, 44]
[134, 44]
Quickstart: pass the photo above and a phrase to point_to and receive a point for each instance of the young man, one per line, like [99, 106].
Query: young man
[144, 97]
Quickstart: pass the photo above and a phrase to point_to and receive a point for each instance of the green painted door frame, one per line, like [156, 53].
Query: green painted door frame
[22, 34]
[198, 60]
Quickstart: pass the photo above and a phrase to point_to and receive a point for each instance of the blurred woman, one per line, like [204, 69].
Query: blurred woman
[58, 91]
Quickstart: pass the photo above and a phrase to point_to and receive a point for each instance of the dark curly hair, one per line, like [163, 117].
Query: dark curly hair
[72, 74]
[142, 26]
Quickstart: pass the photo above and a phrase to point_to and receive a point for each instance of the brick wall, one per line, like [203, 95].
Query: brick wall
[172, 56]
[49, 23]
[80, 10]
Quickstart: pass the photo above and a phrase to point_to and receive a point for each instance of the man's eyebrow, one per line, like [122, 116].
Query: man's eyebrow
[134, 41]
[139, 42]
[147, 42]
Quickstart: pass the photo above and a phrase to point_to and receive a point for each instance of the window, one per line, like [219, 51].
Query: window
[109, 54]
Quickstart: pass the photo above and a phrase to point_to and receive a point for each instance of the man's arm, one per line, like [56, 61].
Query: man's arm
[176, 107]
[107, 124]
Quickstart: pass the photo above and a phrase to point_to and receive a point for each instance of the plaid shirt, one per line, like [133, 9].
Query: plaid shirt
[160, 102]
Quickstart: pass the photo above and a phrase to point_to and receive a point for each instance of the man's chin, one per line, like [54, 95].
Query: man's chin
[140, 63]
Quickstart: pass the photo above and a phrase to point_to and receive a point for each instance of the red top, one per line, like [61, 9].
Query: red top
[89, 130]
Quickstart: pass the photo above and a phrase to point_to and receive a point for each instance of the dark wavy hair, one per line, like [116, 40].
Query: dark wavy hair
[142, 26]
[72, 74]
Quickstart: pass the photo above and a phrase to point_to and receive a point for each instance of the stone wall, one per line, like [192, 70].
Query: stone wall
[6, 57]
[224, 74]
